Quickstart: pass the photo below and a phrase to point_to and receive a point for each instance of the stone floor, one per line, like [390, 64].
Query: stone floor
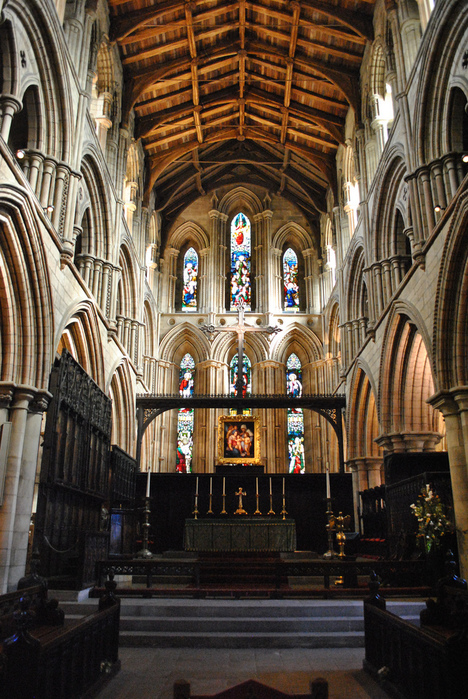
[150, 672]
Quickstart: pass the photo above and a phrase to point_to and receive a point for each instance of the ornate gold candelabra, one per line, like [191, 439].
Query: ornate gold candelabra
[340, 524]
[144, 551]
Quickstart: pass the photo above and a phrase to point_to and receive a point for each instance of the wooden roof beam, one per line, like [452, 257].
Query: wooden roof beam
[357, 21]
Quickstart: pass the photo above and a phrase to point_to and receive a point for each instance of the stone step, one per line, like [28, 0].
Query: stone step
[221, 639]
[211, 623]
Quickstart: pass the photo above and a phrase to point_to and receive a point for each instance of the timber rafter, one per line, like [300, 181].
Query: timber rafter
[278, 74]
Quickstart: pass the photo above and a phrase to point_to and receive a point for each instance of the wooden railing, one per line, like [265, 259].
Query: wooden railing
[61, 662]
[413, 662]
[397, 574]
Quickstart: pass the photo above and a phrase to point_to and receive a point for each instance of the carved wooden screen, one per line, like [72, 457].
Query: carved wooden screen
[122, 513]
[74, 480]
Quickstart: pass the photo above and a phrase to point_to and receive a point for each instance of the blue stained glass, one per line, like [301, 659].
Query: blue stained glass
[246, 375]
[291, 286]
[295, 416]
[190, 273]
[240, 261]
[185, 416]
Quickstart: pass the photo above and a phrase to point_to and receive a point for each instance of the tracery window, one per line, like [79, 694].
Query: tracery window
[295, 417]
[290, 280]
[185, 416]
[240, 261]
[190, 275]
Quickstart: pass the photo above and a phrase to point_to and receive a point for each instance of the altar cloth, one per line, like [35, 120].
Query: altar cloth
[240, 534]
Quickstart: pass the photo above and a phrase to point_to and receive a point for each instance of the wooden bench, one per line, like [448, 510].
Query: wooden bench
[53, 659]
[426, 662]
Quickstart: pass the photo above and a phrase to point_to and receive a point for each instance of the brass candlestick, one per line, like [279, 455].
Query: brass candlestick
[257, 511]
[283, 510]
[330, 527]
[223, 511]
[145, 552]
[271, 511]
[341, 524]
[196, 512]
[210, 511]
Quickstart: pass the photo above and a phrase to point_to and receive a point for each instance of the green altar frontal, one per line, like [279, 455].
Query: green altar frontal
[240, 534]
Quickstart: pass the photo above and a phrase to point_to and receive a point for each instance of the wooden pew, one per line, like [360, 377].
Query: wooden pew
[426, 662]
[60, 661]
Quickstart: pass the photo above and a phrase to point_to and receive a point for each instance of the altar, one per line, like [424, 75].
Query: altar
[240, 534]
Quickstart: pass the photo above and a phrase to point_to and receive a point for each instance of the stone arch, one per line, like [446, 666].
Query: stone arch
[300, 340]
[79, 333]
[450, 333]
[122, 393]
[175, 342]
[438, 74]
[240, 198]
[98, 240]
[362, 418]
[128, 285]
[392, 194]
[44, 59]
[407, 421]
[26, 322]
[293, 236]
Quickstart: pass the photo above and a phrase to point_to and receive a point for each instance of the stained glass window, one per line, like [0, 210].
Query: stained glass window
[295, 418]
[240, 261]
[190, 274]
[291, 286]
[185, 417]
[246, 375]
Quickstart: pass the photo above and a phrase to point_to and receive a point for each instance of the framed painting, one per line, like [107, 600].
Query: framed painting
[239, 439]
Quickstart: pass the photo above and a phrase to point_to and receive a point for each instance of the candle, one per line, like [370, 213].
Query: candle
[271, 492]
[211, 485]
[283, 486]
[196, 488]
[256, 486]
[328, 482]
[224, 486]
[148, 483]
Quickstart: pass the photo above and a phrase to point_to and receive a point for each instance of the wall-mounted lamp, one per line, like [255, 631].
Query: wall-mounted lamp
[438, 208]
[48, 209]
[465, 158]
[20, 154]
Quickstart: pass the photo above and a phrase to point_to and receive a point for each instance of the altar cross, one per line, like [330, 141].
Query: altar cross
[241, 329]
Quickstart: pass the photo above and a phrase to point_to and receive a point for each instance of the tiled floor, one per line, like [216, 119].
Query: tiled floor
[149, 673]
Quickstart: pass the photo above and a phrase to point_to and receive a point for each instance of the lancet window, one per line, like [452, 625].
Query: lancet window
[246, 375]
[290, 280]
[185, 416]
[295, 417]
[190, 275]
[241, 262]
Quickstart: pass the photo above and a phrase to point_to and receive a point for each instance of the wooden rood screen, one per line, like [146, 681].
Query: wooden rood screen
[74, 480]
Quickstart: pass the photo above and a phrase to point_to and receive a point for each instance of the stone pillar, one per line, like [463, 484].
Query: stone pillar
[9, 106]
[269, 380]
[454, 407]
[19, 482]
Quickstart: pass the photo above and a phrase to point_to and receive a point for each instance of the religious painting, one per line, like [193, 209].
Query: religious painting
[291, 286]
[239, 439]
[190, 274]
[240, 261]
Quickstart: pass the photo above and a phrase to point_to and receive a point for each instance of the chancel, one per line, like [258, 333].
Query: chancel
[233, 292]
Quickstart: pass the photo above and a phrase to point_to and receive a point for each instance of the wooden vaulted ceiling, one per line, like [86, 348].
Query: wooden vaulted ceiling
[228, 92]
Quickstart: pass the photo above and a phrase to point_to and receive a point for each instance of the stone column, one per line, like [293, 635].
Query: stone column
[9, 106]
[454, 407]
[19, 482]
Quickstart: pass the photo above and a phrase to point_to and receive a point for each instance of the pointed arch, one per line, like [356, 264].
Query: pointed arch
[79, 333]
[407, 421]
[122, 393]
[26, 323]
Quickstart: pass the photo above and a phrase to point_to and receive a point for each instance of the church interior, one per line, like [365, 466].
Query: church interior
[233, 283]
